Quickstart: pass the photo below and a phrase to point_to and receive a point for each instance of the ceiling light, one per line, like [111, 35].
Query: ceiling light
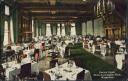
[84, 0]
[75, 17]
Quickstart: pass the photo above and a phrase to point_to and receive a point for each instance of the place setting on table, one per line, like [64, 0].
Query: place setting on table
[120, 56]
[13, 68]
[67, 71]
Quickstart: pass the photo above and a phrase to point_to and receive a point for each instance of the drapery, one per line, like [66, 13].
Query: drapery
[83, 28]
[63, 30]
[58, 29]
[48, 30]
[6, 32]
[32, 28]
[11, 30]
[89, 28]
[73, 29]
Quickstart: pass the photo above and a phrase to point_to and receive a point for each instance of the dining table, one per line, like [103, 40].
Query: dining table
[12, 69]
[119, 60]
[67, 72]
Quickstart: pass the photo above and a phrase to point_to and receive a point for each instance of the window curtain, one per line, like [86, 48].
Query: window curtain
[11, 30]
[73, 29]
[63, 30]
[32, 28]
[48, 30]
[83, 28]
[6, 33]
[58, 29]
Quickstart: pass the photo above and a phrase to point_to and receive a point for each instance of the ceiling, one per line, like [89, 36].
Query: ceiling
[55, 10]
[58, 10]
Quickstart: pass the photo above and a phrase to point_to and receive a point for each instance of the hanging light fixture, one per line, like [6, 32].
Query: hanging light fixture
[52, 2]
[84, 0]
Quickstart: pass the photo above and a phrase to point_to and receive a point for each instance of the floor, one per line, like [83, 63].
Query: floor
[44, 64]
[108, 58]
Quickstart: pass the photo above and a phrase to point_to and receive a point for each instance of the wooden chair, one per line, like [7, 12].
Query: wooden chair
[80, 76]
[46, 77]
[25, 72]
[53, 63]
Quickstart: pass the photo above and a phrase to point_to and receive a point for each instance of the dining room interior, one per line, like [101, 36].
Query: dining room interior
[63, 40]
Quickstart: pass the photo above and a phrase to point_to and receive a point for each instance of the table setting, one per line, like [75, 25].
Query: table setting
[66, 71]
[12, 69]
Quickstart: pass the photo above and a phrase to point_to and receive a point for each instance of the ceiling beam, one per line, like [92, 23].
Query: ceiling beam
[45, 6]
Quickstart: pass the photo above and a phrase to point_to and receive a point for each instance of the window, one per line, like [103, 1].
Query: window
[7, 10]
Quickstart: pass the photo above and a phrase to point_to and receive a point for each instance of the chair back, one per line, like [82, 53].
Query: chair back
[80, 76]
[53, 63]
[25, 70]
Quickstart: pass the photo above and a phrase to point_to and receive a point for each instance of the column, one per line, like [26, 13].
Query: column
[58, 29]
[6, 32]
[63, 30]
[73, 29]
[11, 30]
[48, 30]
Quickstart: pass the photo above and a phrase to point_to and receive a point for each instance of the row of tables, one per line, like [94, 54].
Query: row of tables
[66, 72]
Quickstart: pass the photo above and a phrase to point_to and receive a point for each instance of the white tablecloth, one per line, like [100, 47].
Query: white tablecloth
[119, 60]
[66, 72]
[29, 52]
[14, 69]
[16, 48]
